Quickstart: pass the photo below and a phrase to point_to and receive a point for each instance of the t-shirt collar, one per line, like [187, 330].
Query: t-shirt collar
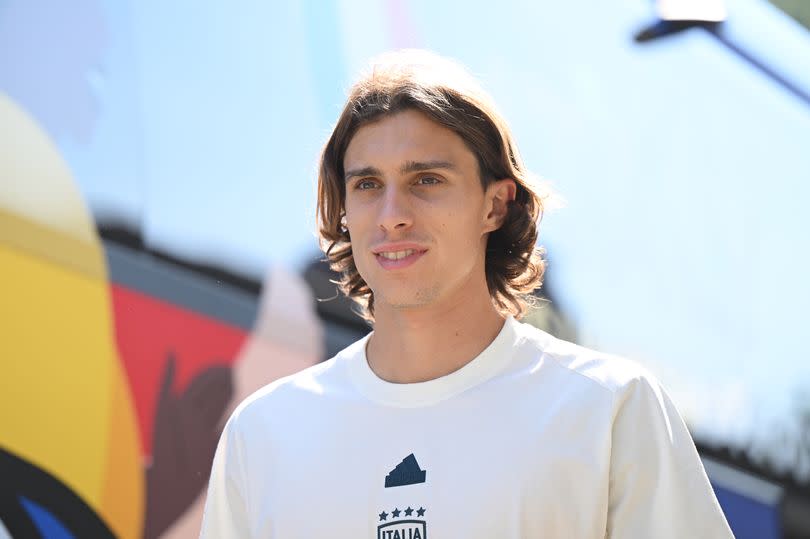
[483, 367]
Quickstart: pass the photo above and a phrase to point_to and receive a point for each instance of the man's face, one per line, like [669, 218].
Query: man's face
[417, 214]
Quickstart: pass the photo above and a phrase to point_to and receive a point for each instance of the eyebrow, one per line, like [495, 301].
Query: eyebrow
[419, 166]
[408, 167]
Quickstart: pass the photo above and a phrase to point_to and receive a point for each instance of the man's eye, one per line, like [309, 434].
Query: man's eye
[428, 180]
[364, 185]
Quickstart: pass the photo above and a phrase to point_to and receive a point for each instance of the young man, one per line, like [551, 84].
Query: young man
[451, 419]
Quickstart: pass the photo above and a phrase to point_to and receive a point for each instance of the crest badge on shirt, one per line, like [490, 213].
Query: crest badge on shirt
[402, 524]
[407, 522]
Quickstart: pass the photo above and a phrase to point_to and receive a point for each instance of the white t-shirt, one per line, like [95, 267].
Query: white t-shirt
[534, 438]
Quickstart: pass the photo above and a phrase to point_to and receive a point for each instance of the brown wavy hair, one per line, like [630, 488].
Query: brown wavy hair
[447, 94]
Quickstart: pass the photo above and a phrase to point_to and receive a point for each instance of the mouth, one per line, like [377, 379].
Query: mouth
[398, 259]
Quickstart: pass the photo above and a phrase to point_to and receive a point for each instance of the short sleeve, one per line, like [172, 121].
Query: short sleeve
[658, 487]
[226, 514]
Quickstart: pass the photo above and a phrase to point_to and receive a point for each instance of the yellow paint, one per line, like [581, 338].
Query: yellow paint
[43, 242]
[56, 396]
[122, 499]
[34, 179]
[41, 210]
[65, 405]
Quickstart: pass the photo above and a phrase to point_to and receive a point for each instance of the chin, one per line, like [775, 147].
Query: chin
[403, 301]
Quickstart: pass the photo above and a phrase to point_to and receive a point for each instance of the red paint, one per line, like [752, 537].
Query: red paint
[148, 329]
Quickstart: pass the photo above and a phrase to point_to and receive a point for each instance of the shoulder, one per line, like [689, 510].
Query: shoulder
[601, 371]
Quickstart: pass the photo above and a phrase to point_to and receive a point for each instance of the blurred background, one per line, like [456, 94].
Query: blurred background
[158, 260]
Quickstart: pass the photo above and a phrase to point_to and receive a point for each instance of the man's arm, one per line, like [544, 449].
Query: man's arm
[226, 514]
[658, 487]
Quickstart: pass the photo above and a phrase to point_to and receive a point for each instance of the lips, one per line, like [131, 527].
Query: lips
[398, 256]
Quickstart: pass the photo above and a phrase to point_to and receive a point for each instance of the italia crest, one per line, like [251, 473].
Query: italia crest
[403, 524]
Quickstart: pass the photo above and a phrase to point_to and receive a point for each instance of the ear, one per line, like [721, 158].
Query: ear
[497, 197]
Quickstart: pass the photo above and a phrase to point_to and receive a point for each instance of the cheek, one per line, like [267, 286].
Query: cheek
[463, 233]
[355, 221]
[352, 206]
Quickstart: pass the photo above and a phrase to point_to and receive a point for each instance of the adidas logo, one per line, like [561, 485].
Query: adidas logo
[406, 472]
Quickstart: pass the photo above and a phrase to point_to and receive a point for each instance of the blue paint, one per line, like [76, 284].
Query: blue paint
[47, 524]
[748, 518]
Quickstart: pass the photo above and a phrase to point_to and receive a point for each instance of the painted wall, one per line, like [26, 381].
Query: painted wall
[118, 368]
[681, 243]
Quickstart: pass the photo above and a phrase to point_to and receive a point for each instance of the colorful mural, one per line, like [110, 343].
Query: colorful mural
[118, 369]
[68, 436]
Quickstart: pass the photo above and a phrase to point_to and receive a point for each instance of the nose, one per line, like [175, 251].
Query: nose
[395, 212]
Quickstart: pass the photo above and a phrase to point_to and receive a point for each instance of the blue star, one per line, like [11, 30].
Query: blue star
[383, 515]
[408, 511]
[396, 513]
[420, 512]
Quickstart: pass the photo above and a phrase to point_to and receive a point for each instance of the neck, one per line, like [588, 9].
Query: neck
[420, 344]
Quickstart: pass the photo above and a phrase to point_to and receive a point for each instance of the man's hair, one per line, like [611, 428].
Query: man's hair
[450, 96]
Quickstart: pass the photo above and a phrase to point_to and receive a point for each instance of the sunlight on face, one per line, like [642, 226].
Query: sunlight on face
[416, 212]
